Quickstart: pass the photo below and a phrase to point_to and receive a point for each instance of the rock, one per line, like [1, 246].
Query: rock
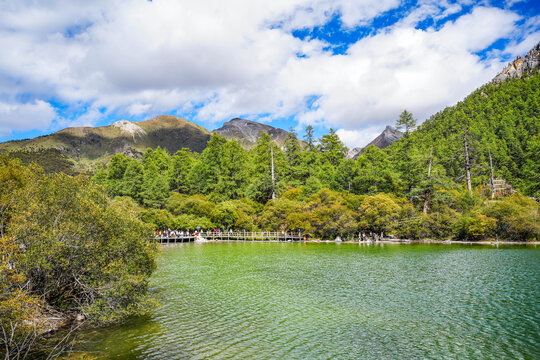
[353, 153]
[129, 128]
[521, 66]
[246, 132]
[385, 139]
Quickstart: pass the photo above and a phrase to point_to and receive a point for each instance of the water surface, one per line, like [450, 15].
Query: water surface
[328, 301]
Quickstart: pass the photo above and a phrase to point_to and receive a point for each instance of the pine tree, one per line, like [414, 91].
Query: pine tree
[232, 178]
[181, 164]
[332, 148]
[205, 174]
[294, 156]
[407, 123]
[309, 137]
[155, 188]
[265, 155]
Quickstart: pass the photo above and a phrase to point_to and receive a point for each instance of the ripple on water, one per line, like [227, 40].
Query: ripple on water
[321, 301]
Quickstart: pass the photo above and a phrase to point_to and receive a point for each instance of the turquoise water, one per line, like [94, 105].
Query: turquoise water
[329, 301]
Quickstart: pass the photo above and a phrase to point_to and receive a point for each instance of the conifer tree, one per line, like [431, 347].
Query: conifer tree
[132, 183]
[262, 187]
[181, 164]
[309, 137]
[155, 189]
[294, 156]
[205, 174]
[332, 148]
[407, 123]
[232, 178]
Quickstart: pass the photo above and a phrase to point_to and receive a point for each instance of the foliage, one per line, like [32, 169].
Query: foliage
[476, 226]
[518, 218]
[332, 148]
[379, 213]
[69, 247]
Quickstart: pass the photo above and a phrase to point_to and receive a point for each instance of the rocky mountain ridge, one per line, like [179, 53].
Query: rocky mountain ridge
[385, 139]
[246, 132]
[521, 66]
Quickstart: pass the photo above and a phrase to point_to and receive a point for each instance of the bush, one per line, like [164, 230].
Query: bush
[68, 245]
[191, 222]
[517, 218]
[379, 213]
[475, 226]
[158, 218]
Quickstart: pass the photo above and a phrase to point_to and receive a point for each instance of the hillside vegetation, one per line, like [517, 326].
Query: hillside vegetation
[88, 146]
[319, 192]
[501, 119]
[67, 250]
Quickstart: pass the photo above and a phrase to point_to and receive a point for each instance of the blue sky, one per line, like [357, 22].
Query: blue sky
[349, 65]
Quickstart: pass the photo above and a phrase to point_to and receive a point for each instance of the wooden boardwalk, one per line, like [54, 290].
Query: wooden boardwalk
[175, 237]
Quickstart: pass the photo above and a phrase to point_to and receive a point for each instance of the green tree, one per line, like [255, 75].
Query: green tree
[155, 186]
[379, 213]
[329, 215]
[205, 174]
[232, 177]
[374, 173]
[266, 155]
[181, 164]
[293, 153]
[309, 137]
[332, 148]
[405, 158]
[133, 180]
[67, 248]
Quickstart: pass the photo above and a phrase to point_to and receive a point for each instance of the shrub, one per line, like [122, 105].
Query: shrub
[517, 218]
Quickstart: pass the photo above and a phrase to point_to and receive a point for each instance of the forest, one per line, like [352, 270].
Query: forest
[433, 183]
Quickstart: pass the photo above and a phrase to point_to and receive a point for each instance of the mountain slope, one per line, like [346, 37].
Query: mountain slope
[521, 66]
[246, 132]
[385, 139]
[169, 132]
[500, 120]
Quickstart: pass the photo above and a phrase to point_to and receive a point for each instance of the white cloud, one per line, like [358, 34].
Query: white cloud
[138, 108]
[21, 117]
[220, 59]
[400, 68]
[359, 138]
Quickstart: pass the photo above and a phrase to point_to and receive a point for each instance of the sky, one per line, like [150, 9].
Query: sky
[350, 65]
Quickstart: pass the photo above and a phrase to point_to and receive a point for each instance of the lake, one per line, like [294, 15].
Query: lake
[335, 301]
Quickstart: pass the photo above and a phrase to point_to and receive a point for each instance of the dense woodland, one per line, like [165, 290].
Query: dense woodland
[77, 245]
[433, 183]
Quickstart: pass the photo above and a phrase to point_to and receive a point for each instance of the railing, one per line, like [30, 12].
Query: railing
[174, 237]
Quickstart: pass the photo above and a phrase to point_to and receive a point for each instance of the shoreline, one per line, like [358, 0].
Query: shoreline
[430, 241]
[386, 241]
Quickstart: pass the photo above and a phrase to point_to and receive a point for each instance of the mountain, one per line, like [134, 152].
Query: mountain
[83, 144]
[521, 66]
[246, 132]
[497, 126]
[385, 139]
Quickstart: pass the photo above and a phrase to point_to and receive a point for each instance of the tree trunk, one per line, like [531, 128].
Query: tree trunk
[491, 168]
[467, 164]
[273, 178]
[427, 193]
